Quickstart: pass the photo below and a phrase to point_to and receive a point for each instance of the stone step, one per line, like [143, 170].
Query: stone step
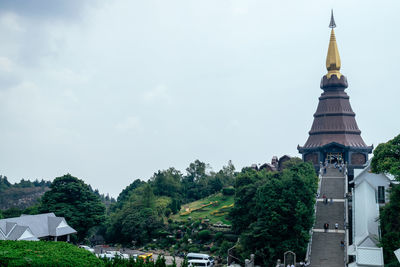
[326, 250]
[332, 187]
[331, 214]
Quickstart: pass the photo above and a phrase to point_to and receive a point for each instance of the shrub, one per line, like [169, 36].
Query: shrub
[228, 191]
[41, 253]
[230, 237]
[204, 235]
[218, 236]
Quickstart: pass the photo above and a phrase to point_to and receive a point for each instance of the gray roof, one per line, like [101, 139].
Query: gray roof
[40, 225]
[2, 235]
[16, 233]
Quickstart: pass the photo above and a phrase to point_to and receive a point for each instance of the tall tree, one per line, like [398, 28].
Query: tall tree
[137, 221]
[387, 160]
[167, 183]
[275, 211]
[71, 198]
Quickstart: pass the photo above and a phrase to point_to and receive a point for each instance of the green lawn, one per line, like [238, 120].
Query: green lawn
[205, 213]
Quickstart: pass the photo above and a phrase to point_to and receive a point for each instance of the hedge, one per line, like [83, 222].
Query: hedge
[42, 253]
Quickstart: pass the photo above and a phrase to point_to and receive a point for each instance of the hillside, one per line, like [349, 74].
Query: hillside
[21, 197]
[215, 208]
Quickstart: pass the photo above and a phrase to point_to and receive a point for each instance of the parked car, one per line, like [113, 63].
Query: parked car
[87, 248]
[200, 256]
[113, 254]
[146, 257]
[200, 263]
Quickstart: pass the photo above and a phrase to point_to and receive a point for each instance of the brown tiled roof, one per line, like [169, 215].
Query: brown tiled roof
[334, 120]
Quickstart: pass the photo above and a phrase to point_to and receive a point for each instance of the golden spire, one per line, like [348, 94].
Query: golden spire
[333, 58]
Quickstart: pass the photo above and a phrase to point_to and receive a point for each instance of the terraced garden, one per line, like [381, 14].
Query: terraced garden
[215, 208]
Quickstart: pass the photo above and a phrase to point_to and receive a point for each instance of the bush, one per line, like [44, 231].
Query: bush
[218, 236]
[231, 237]
[193, 249]
[204, 235]
[228, 191]
[41, 253]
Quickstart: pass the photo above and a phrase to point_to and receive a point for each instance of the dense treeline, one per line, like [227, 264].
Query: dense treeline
[5, 184]
[274, 211]
[387, 160]
[21, 195]
[142, 208]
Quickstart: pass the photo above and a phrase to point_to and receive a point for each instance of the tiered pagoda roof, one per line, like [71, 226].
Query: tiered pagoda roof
[334, 120]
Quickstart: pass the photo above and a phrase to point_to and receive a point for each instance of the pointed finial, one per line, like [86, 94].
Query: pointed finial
[332, 24]
[333, 59]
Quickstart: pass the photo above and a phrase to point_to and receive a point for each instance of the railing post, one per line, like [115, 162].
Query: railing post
[346, 214]
[308, 253]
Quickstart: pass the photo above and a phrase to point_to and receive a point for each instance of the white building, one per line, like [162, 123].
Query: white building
[369, 193]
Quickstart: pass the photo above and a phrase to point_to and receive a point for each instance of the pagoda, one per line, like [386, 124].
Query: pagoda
[334, 135]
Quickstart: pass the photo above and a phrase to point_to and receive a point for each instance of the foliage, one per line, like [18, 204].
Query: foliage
[387, 158]
[167, 183]
[290, 163]
[28, 253]
[390, 227]
[41, 253]
[22, 194]
[143, 207]
[204, 235]
[126, 193]
[137, 221]
[274, 212]
[200, 183]
[71, 198]
[246, 186]
[228, 191]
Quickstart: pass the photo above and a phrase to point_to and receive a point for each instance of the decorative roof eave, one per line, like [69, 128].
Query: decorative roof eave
[302, 149]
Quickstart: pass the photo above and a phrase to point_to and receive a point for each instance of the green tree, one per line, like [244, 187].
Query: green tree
[4, 183]
[390, 227]
[137, 221]
[275, 211]
[12, 212]
[246, 186]
[167, 183]
[71, 198]
[387, 158]
[126, 193]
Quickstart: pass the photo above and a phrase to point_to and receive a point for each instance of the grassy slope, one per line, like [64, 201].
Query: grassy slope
[42, 253]
[205, 213]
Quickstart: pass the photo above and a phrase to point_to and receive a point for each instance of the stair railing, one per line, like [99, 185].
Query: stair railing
[308, 253]
[346, 215]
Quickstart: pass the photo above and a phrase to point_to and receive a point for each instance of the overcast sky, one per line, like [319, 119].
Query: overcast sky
[112, 91]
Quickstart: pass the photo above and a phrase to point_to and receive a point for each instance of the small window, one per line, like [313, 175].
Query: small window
[381, 194]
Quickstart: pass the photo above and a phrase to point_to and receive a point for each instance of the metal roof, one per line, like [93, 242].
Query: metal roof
[39, 225]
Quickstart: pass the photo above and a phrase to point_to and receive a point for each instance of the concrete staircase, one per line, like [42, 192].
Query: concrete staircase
[326, 250]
